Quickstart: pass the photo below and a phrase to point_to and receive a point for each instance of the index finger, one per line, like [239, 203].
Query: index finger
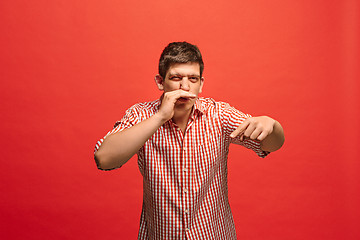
[186, 94]
[240, 129]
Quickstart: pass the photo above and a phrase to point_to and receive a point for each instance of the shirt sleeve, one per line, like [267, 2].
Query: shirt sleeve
[130, 119]
[231, 118]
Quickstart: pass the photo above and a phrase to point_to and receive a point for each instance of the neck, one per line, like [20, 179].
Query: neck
[181, 117]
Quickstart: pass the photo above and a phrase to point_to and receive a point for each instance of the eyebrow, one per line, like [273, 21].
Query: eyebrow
[178, 74]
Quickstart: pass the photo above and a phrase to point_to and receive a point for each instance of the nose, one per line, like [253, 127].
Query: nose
[184, 84]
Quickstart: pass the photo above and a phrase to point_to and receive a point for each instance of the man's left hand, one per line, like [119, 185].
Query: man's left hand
[255, 128]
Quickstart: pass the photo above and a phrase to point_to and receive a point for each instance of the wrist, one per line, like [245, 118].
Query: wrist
[160, 118]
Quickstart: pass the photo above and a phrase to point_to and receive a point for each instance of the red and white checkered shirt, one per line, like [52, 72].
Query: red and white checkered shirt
[185, 193]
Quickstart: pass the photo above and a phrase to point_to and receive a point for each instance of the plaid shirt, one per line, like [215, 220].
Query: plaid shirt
[185, 193]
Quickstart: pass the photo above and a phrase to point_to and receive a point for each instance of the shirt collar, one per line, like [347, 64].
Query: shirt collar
[198, 106]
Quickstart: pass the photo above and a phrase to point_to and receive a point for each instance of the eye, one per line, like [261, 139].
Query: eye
[175, 78]
[194, 78]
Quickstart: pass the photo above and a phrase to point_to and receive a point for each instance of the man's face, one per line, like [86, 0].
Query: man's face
[184, 76]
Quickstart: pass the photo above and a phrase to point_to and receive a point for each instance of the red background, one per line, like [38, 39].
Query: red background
[69, 70]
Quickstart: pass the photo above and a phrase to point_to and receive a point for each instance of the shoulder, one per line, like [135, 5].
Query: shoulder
[209, 104]
[145, 108]
[220, 108]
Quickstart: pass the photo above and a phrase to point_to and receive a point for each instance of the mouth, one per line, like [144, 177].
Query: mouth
[183, 99]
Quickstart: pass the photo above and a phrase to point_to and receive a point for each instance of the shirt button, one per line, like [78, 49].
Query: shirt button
[187, 229]
[185, 190]
[186, 210]
[185, 169]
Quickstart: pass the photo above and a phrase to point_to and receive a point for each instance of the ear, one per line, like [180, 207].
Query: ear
[159, 82]
[201, 84]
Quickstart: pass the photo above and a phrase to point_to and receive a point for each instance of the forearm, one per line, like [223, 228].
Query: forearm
[275, 140]
[118, 148]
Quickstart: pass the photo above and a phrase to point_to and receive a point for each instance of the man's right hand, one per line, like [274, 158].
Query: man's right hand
[166, 111]
[118, 148]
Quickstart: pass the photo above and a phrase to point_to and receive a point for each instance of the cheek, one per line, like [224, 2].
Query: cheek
[172, 86]
[196, 88]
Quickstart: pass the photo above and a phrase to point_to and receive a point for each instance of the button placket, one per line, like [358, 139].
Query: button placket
[185, 168]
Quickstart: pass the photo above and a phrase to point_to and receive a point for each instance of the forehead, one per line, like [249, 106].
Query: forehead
[184, 69]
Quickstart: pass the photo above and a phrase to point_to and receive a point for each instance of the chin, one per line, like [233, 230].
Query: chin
[184, 104]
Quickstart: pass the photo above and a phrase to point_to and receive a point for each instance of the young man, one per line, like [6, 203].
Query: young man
[182, 142]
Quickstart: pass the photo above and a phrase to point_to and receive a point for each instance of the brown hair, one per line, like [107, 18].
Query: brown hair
[179, 52]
